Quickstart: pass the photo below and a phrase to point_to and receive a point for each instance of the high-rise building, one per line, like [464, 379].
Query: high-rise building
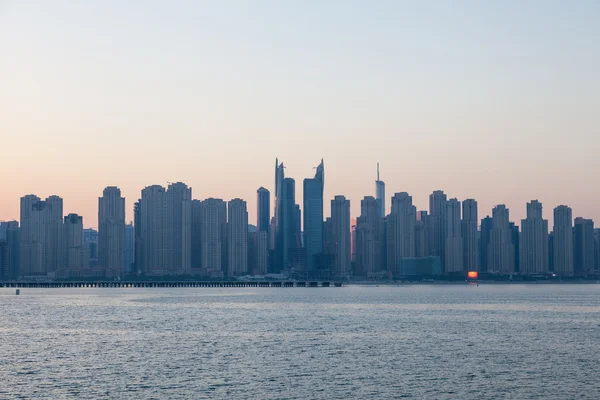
[534, 241]
[237, 228]
[286, 216]
[41, 245]
[400, 232]
[139, 248]
[263, 209]
[422, 234]
[111, 231]
[470, 235]
[196, 237]
[214, 223]
[437, 231]
[129, 267]
[90, 242]
[369, 237]
[10, 234]
[340, 231]
[178, 213]
[76, 255]
[551, 252]
[454, 243]
[380, 194]
[501, 248]
[583, 246]
[597, 249]
[258, 253]
[313, 215]
[516, 241]
[485, 236]
[154, 231]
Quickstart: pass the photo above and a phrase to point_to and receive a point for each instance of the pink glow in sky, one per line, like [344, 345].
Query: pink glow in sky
[496, 101]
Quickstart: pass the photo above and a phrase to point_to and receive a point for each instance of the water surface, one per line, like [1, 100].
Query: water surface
[439, 341]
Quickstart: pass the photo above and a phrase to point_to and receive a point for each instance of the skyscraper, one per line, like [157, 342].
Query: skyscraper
[77, 258]
[286, 232]
[214, 223]
[237, 228]
[196, 237]
[313, 215]
[437, 231]
[42, 246]
[10, 233]
[597, 249]
[470, 235]
[258, 252]
[501, 249]
[380, 194]
[400, 232]
[154, 230]
[340, 231]
[369, 237]
[111, 231]
[534, 241]
[454, 243]
[263, 209]
[129, 267]
[484, 243]
[179, 228]
[139, 248]
[583, 246]
[422, 234]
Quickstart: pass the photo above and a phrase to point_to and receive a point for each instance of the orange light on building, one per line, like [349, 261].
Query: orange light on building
[472, 274]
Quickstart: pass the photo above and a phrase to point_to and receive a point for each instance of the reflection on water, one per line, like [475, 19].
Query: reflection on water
[454, 341]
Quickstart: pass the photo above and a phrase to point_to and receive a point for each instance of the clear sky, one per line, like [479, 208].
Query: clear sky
[493, 100]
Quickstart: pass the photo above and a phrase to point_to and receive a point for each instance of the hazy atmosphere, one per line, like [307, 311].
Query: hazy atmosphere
[496, 101]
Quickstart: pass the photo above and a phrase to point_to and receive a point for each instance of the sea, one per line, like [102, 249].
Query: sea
[444, 341]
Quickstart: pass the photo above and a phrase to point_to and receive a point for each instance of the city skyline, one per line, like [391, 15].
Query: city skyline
[518, 211]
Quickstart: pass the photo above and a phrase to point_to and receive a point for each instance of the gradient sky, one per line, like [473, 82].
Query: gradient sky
[495, 100]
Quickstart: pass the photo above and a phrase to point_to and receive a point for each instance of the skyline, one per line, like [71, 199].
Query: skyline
[494, 101]
[516, 214]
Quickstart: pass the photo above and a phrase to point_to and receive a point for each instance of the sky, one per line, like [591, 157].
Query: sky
[496, 100]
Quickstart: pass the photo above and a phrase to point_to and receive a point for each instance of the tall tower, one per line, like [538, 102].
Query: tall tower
[313, 215]
[263, 209]
[437, 231]
[214, 223]
[42, 245]
[286, 232]
[583, 246]
[533, 246]
[237, 228]
[454, 243]
[563, 241]
[340, 231]
[469, 235]
[484, 242]
[111, 231]
[369, 237]
[76, 257]
[400, 232]
[380, 194]
[179, 228]
[501, 249]
[154, 230]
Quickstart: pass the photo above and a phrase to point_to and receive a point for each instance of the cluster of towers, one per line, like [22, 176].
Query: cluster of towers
[174, 234]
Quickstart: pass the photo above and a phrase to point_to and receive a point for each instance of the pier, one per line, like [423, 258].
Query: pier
[170, 284]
